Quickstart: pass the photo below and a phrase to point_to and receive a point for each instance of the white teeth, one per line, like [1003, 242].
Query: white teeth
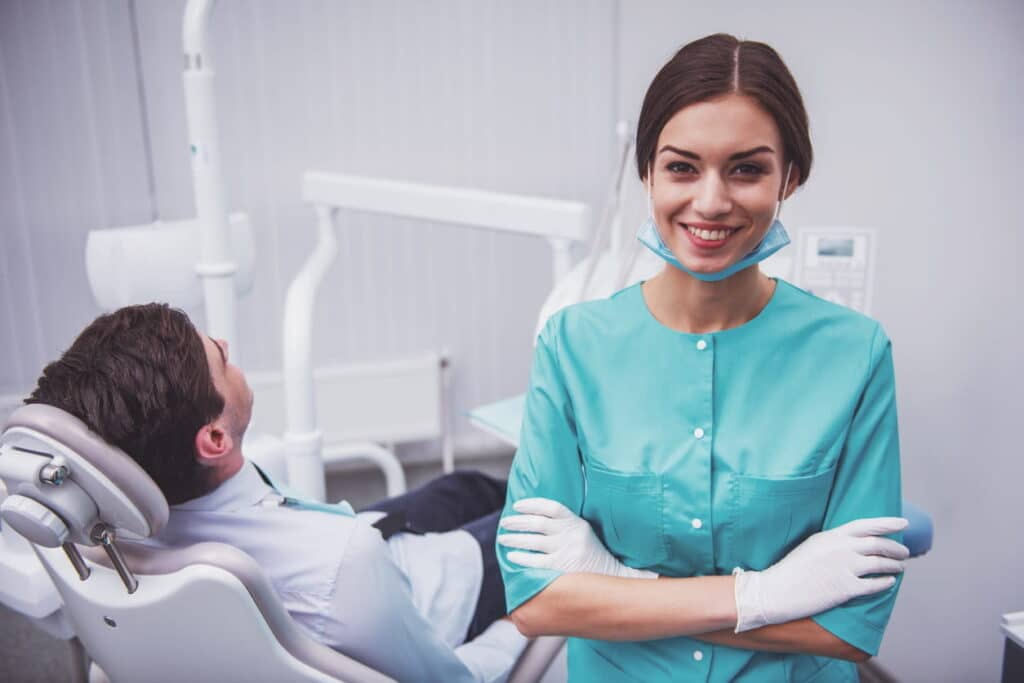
[709, 235]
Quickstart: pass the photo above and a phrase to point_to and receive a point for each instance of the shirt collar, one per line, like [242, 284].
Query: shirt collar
[243, 489]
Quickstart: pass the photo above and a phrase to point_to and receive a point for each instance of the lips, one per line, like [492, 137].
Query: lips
[708, 236]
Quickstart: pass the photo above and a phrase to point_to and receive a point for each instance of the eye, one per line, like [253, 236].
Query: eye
[748, 169]
[680, 167]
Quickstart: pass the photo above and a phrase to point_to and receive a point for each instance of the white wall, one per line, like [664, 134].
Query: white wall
[516, 98]
[916, 117]
[916, 125]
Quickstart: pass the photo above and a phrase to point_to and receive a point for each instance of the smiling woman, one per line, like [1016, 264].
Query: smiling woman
[682, 429]
[715, 195]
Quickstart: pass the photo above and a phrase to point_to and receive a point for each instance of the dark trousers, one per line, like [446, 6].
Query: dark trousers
[461, 500]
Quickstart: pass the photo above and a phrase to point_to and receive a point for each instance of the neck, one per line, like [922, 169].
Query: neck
[228, 467]
[683, 303]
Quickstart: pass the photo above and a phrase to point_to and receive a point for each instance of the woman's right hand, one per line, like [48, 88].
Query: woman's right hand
[559, 539]
[824, 571]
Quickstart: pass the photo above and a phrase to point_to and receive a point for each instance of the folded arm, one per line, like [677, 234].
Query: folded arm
[591, 606]
[769, 608]
[615, 608]
[802, 635]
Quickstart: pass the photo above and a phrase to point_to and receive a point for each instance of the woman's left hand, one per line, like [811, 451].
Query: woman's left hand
[559, 540]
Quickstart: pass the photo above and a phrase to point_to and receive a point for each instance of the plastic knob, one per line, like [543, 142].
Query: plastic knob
[34, 521]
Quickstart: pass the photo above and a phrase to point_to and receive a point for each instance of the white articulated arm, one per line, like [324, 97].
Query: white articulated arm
[197, 20]
[303, 440]
[385, 459]
[216, 265]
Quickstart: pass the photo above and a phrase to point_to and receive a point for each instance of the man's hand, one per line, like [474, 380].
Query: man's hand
[560, 540]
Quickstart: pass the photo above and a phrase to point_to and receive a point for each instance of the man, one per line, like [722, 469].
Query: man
[416, 606]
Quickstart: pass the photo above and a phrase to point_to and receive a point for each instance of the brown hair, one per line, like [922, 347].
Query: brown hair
[717, 65]
[139, 378]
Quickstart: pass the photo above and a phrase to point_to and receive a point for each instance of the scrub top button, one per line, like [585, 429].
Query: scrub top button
[701, 345]
[699, 433]
[698, 655]
[697, 524]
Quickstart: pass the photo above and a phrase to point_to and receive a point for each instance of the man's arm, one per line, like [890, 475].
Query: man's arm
[373, 619]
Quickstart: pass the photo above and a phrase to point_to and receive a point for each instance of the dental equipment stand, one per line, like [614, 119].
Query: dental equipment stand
[156, 261]
[560, 222]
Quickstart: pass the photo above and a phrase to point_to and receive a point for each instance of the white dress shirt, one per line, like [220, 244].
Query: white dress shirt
[400, 606]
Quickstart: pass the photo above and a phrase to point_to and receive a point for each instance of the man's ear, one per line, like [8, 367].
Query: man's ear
[213, 442]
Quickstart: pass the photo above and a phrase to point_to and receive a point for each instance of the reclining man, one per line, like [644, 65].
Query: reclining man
[414, 605]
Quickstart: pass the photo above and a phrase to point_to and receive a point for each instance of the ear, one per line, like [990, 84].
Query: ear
[213, 442]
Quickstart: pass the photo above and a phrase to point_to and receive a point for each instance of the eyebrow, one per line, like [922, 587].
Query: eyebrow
[738, 155]
[220, 350]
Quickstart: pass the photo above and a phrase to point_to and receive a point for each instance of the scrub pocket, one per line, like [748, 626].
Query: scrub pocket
[592, 661]
[626, 511]
[822, 670]
[769, 516]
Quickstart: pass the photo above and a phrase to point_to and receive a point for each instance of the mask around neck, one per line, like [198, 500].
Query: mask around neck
[775, 239]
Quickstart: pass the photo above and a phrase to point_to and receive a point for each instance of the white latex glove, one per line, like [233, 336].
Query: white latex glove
[561, 540]
[824, 571]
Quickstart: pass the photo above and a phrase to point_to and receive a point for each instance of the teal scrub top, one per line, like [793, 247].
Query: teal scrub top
[692, 454]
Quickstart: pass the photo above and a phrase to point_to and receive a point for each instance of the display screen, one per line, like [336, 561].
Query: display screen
[835, 247]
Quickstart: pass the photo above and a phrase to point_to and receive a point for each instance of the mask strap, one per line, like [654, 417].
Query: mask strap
[785, 186]
[650, 190]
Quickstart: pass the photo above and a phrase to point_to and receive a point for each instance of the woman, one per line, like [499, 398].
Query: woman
[708, 422]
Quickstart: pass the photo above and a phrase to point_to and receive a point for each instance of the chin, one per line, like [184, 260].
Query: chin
[703, 267]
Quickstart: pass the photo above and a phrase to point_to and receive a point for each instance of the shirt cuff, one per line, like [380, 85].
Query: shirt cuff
[493, 653]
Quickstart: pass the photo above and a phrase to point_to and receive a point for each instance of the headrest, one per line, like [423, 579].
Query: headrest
[39, 436]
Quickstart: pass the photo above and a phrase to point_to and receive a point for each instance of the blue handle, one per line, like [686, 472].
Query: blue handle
[918, 536]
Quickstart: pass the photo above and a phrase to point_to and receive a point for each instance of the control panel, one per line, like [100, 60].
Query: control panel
[838, 265]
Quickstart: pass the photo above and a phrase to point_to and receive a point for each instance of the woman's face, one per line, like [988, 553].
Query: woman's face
[715, 181]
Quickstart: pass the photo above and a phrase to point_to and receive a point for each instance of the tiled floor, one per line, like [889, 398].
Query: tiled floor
[28, 655]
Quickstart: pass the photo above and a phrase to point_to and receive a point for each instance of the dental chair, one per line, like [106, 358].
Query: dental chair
[201, 613]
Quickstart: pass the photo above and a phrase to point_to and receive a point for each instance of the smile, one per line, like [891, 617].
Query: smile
[706, 237]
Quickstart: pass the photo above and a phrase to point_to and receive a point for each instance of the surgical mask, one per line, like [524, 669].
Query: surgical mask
[776, 238]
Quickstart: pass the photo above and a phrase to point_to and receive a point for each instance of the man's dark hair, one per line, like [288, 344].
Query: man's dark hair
[139, 378]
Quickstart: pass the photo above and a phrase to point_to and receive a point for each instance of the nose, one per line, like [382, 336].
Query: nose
[712, 198]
